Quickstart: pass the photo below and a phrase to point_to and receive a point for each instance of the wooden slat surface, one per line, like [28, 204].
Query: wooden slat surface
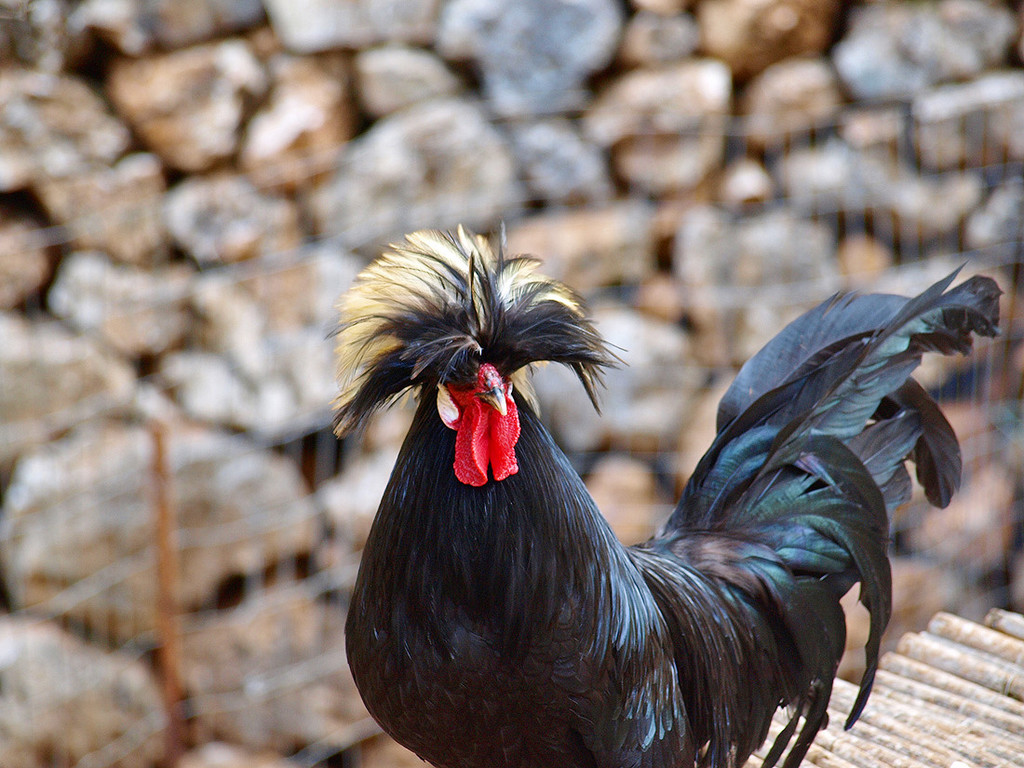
[951, 697]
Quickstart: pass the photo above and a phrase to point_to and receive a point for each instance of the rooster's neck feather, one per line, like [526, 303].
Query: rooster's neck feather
[505, 555]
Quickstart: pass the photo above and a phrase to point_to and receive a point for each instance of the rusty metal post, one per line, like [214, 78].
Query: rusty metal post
[168, 639]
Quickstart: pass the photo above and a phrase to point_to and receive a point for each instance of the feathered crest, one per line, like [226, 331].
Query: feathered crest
[431, 309]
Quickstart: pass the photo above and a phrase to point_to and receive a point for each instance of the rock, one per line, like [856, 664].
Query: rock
[520, 49]
[750, 35]
[282, 652]
[971, 124]
[350, 500]
[558, 165]
[80, 507]
[659, 101]
[43, 35]
[644, 400]
[895, 50]
[877, 128]
[136, 26]
[392, 77]
[382, 752]
[301, 290]
[266, 45]
[288, 383]
[668, 165]
[652, 39]
[792, 96]
[837, 177]
[188, 105]
[434, 164]
[972, 418]
[590, 248]
[217, 754]
[660, 296]
[230, 322]
[661, 7]
[305, 362]
[973, 534]
[699, 428]
[723, 261]
[920, 590]
[52, 380]
[72, 702]
[772, 248]
[863, 258]
[667, 212]
[135, 311]
[626, 491]
[745, 181]
[260, 358]
[115, 209]
[908, 280]
[998, 225]
[53, 126]
[233, 312]
[24, 261]
[224, 218]
[209, 390]
[1017, 582]
[387, 429]
[767, 249]
[664, 126]
[297, 135]
[306, 26]
[1020, 55]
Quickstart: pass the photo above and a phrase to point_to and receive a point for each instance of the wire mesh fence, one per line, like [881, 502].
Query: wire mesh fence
[186, 493]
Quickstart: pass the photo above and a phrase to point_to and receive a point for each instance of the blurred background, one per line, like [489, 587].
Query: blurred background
[187, 186]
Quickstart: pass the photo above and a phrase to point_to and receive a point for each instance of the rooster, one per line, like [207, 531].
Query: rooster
[496, 620]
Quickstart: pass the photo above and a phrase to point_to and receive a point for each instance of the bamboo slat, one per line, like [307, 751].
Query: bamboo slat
[884, 724]
[952, 692]
[951, 697]
[1010, 649]
[1008, 623]
[822, 758]
[966, 662]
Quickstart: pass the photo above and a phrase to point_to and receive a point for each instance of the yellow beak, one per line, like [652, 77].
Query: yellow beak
[495, 398]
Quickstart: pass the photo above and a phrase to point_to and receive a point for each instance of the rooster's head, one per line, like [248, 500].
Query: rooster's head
[448, 314]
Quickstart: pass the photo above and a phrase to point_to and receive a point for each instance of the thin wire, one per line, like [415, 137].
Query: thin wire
[845, 213]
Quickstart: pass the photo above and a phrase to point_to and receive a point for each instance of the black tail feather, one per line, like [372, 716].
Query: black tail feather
[810, 459]
[936, 454]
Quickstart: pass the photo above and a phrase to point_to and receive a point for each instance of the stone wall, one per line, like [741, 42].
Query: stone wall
[186, 186]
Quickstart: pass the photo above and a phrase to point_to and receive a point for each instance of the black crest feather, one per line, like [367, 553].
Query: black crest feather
[430, 310]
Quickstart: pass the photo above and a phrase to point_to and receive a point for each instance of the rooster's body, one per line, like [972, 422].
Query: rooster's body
[497, 621]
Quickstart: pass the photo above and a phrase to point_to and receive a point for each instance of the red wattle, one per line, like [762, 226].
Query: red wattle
[471, 453]
[485, 437]
[504, 436]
